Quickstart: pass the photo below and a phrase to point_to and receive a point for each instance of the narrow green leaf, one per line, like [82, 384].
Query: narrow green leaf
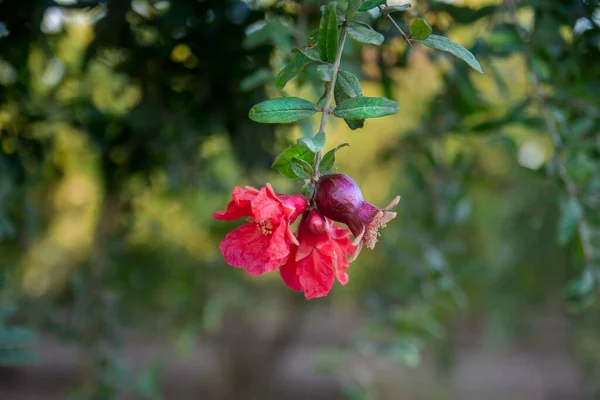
[328, 33]
[365, 107]
[301, 168]
[570, 214]
[420, 29]
[325, 72]
[392, 9]
[282, 162]
[368, 4]
[281, 110]
[315, 143]
[329, 159]
[293, 68]
[445, 44]
[364, 33]
[348, 86]
[352, 8]
[310, 52]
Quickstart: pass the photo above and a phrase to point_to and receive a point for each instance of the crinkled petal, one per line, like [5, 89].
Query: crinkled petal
[289, 273]
[309, 241]
[316, 275]
[342, 248]
[266, 206]
[239, 206]
[279, 246]
[247, 247]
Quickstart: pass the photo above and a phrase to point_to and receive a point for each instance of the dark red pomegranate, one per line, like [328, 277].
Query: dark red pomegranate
[340, 199]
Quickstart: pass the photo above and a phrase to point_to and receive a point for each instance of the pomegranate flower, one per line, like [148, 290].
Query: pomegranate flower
[262, 244]
[339, 198]
[319, 258]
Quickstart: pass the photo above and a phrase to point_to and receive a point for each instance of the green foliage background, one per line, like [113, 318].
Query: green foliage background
[124, 125]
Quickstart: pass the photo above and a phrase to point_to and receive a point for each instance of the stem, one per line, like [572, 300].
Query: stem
[391, 19]
[329, 95]
[583, 229]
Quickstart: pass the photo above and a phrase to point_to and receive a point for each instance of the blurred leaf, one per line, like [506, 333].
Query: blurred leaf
[420, 29]
[328, 33]
[364, 33]
[282, 162]
[301, 168]
[3, 31]
[570, 214]
[292, 69]
[281, 110]
[353, 6]
[392, 9]
[310, 52]
[445, 44]
[325, 72]
[365, 107]
[368, 4]
[329, 159]
[315, 143]
[258, 78]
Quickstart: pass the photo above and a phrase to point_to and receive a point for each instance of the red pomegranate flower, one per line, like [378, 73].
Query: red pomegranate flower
[320, 257]
[263, 244]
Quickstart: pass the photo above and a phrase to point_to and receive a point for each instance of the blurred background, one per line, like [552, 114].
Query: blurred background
[123, 126]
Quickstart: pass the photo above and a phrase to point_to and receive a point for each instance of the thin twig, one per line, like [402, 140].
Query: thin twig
[329, 95]
[391, 19]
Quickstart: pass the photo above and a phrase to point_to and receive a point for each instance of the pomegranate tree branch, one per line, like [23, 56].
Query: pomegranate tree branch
[329, 94]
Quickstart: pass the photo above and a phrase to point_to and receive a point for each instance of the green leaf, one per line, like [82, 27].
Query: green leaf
[281, 110]
[325, 72]
[329, 159]
[392, 9]
[365, 107]
[328, 33]
[310, 52]
[282, 162]
[293, 68]
[315, 143]
[420, 29]
[352, 8]
[364, 33]
[368, 4]
[445, 44]
[301, 168]
[571, 213]
[348, 86]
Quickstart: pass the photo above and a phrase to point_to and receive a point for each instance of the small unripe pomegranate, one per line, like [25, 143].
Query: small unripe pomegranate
[315, 222]
[340, 199]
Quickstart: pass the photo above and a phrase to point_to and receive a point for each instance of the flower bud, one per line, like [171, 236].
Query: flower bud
[315, 222]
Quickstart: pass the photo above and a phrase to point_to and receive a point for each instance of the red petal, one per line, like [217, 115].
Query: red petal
[279, 246]
[267, 207]
[247, 247]
[309, 241]
[289, 273]
[239, 206]
[315, 273]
